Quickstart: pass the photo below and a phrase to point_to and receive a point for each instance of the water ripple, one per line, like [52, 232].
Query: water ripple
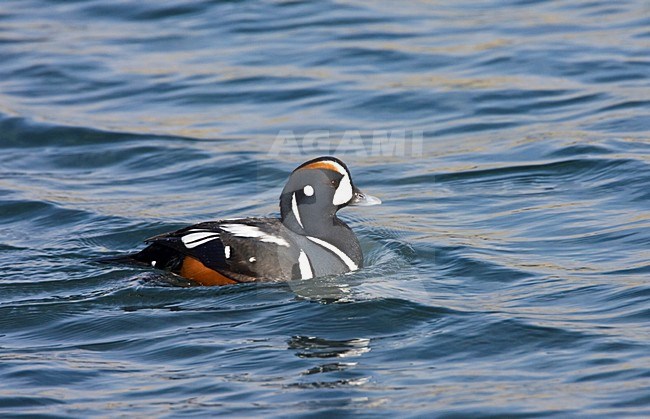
[505, 274]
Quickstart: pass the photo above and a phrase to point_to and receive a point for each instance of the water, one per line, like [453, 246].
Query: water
[507, 271]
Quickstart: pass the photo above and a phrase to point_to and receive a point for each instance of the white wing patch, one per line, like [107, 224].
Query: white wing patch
[243, 230]
[193, 240]
[345, 258]
[226, 252]
[305, 266]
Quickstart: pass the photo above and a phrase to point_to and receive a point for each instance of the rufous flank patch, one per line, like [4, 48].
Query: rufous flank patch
[193, 269]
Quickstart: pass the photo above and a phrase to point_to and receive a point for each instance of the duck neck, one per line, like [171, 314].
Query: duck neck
[322, 224]
[306, 219]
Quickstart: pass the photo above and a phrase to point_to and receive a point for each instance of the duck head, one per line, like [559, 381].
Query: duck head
[315, 191]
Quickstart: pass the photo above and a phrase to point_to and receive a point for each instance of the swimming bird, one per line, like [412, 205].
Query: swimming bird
[307, 241]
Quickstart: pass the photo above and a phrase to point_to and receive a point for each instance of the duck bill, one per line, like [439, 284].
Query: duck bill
[361, 199]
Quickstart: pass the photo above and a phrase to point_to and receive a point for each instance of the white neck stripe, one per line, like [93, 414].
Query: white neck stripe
[294, 209]
[329, 246]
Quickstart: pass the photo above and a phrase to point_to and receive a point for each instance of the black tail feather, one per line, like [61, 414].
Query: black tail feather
[155, 255]
[128, 259]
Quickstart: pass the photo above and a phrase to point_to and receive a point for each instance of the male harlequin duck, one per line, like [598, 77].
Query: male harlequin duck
[308, 240]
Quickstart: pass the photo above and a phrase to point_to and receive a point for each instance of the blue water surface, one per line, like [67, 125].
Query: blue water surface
[506, 272]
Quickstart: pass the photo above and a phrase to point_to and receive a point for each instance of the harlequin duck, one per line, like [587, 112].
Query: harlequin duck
[308, 240]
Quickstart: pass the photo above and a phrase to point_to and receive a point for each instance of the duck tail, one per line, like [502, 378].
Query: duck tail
[155, 255]
[126, 259]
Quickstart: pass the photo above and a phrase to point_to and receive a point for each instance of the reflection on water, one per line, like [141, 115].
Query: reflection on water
[313, 347]
[327, 290]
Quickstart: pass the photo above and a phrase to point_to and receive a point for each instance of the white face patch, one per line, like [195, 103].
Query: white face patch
[226, 252]
[305, 266]
[343, 193]
[308, 190]
[294, 209]
[345, 258]
[193, 240]
[153, 263]
[243, 230]
[251, 260]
